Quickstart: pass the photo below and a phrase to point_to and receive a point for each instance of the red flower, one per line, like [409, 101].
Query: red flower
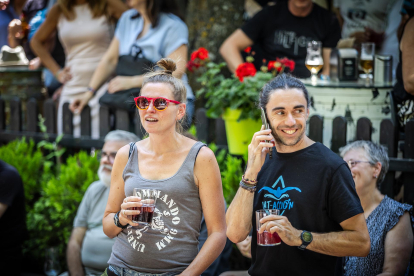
[191, 65]
[245, 70]
[248, 50]
[201, 54]
[274, 64]
[288, 63]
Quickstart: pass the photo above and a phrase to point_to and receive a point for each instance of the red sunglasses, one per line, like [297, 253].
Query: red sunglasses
[159, 103]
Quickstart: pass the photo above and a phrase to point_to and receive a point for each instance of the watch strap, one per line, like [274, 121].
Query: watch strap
[117, 222]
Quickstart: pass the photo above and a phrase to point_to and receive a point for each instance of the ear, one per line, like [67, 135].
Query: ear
[181, 111]
[377, 168]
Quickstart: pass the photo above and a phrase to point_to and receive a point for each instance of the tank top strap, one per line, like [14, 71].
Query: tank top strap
[188, 165]
[132, 164]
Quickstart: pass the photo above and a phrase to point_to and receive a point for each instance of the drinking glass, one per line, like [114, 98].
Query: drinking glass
[314, 60]
[367, 58]
[148, 199]
[52, 266]
[266, 238]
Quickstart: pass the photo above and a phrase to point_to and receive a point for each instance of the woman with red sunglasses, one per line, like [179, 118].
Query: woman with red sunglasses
[187, 177]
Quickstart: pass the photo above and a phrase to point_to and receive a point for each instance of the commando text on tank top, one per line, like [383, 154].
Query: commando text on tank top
[170, 243]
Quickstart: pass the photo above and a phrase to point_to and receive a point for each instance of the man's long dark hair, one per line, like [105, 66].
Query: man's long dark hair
[155, 7]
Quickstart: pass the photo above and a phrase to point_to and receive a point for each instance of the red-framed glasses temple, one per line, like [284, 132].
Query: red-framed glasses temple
[159, 103]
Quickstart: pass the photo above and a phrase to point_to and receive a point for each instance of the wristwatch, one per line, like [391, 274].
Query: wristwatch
[117, 223]
[306, 238]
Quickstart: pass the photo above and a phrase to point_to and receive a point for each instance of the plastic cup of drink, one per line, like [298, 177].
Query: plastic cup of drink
[266, 238]
[148, 200]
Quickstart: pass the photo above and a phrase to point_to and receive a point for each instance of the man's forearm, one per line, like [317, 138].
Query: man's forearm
[75, 266]
[239, 216]
[231, 55]
[340, 244]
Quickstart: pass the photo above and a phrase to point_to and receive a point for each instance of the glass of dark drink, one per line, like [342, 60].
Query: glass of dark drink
[266, 238]
[148, 199]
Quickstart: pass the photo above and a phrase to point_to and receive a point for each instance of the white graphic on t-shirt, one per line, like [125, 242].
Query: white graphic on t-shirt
[288, 39]
[165, 214]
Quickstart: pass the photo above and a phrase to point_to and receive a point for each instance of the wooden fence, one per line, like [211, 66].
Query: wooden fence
[22, 121]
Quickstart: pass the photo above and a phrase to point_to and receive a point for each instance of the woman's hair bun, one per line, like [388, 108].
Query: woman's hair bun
[167, 64]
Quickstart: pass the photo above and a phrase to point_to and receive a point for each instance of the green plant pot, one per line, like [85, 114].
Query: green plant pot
[239, 134]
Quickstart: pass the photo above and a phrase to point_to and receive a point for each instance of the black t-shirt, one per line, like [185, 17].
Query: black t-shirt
[281, 34]
[314, 189]
[13, 221]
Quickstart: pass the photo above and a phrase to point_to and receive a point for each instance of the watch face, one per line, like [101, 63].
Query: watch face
[307, 237]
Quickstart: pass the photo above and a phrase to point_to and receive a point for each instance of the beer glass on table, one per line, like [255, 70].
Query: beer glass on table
[52, 266]
[367, 59]
[314, 60]
[148, 199]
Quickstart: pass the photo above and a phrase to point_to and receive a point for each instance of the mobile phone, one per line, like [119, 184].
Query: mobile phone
[267, 126]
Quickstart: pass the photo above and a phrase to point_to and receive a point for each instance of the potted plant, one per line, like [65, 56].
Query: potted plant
[235, 98]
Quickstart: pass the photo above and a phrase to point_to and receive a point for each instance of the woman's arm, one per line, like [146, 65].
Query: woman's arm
[116, 198]
[41, 37]
[398, 246]
[407, 49]
[207, 176]
[116, 8]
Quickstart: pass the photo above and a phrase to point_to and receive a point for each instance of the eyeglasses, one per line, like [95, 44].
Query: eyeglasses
[109, 155]
[159, 103]
[353, 163]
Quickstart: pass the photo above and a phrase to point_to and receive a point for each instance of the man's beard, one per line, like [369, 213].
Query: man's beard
[281, 141]
[105, 177]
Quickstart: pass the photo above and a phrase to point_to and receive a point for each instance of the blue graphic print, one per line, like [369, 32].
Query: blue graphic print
[277, 195]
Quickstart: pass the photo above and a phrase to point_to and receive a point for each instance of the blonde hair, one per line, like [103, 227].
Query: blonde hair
[98, 8]
[164, 75]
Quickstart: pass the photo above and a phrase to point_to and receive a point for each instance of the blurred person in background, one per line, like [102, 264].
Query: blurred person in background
[12, 220]
[9, 11]
[154, 27]
[283, 30]
[85, 28]
[390, 223]
[89, 248]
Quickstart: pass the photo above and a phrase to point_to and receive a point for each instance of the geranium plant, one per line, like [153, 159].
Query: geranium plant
[240, 91]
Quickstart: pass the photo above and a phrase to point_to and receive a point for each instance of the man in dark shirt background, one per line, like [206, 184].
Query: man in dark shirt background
[12, 220]
[283, 30]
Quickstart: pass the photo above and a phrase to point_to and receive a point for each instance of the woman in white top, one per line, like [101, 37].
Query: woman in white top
[85, 30]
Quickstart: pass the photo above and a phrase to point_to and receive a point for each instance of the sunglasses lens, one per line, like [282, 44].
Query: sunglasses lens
[160, 103]
[142, 103]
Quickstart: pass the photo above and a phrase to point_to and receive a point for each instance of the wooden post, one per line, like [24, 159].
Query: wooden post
[104, 123]
[121, 119]
[50, 116]
[338, 133]
[67, 119]
[221, 137]
[388, 138]
[86, 121]
[2, 115]
[316, 128]
[32, 114]
[15, 114]
[409, 153]
[201, 123]
[364, 129]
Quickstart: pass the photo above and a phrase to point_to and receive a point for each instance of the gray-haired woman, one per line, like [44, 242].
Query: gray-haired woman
[390, 223]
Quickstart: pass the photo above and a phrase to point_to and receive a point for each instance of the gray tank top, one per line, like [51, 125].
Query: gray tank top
[170, 243]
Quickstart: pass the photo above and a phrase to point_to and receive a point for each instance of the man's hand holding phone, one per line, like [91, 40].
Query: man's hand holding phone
[258, 148]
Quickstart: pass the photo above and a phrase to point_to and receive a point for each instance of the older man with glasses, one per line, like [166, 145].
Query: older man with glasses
[89, 248]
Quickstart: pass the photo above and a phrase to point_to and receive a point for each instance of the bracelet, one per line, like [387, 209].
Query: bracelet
[248, 181]
[92, 90]
[251, 189]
